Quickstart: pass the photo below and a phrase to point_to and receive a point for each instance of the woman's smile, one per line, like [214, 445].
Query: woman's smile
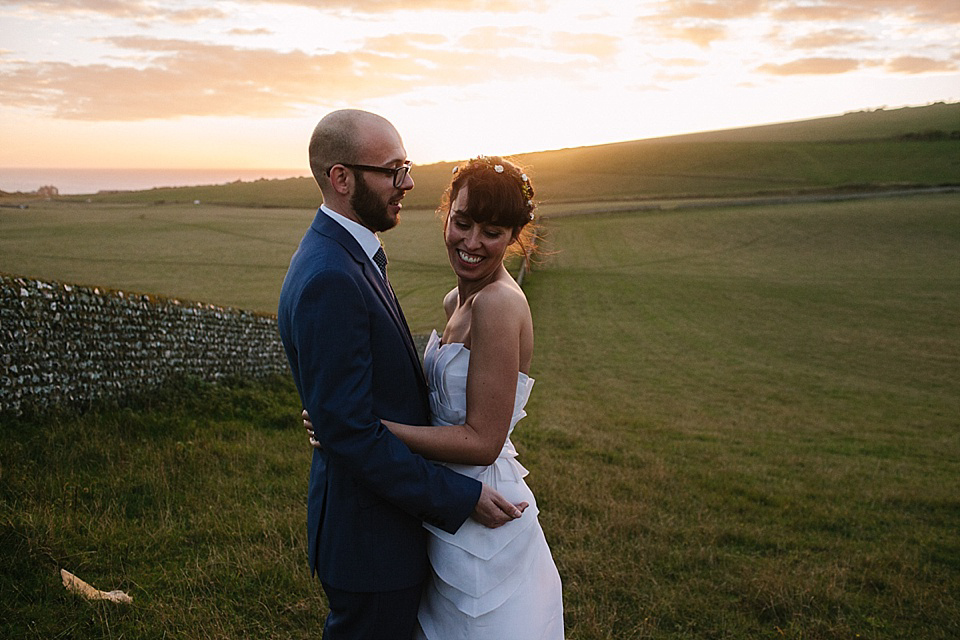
[468, 258]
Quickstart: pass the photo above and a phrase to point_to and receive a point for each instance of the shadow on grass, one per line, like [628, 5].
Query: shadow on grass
[189, 498]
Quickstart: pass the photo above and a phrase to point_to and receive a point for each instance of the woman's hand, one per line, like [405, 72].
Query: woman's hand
[309, 427]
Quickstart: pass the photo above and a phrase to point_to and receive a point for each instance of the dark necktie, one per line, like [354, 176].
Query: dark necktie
[381, 259]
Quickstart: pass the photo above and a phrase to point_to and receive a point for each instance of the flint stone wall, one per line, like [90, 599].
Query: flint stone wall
[66, 344]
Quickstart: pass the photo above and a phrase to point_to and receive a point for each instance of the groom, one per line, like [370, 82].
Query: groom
[354, 362]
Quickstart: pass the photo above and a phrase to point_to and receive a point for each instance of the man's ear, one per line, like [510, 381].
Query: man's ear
[341, 179]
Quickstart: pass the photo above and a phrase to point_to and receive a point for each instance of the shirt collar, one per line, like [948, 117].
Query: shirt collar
[368, 240]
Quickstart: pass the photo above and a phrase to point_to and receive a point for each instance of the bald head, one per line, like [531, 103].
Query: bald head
[344, 136]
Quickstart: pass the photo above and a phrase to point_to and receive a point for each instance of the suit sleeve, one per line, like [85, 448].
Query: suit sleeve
[331, 329]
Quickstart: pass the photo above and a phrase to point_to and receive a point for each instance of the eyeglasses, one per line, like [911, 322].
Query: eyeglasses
[399, 173]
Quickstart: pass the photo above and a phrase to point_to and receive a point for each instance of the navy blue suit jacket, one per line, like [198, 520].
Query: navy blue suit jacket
[354, 362]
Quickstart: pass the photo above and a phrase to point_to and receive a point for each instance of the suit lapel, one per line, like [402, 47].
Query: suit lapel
[326, 226]
[390, 300]
[411, 347]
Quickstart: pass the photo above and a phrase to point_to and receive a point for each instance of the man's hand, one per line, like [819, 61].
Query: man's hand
[309, 427]
[493, 510]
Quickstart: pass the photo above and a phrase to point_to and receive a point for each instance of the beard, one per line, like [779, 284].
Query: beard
[370, 208]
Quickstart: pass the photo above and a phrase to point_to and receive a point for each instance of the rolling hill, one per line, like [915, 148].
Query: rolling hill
[910, 146]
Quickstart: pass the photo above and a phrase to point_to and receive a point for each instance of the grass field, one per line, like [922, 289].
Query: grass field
[220, 255]
[747, 420]
[745, 425]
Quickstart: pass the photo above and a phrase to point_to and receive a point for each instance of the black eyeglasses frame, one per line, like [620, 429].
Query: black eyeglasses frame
[399, 173]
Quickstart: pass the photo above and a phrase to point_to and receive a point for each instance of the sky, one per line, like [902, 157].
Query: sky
[241, 83]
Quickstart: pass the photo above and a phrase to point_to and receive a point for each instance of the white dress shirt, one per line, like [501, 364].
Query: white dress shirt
[368, 240]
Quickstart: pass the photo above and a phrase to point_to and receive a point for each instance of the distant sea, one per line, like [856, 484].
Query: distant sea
[89, 181]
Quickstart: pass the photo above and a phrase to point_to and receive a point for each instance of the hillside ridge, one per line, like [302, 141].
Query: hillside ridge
[867, 124]
[870, 149]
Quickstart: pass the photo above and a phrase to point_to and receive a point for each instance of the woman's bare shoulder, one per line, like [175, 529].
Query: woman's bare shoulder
[503, 325]
[501, 297]
[450, 301]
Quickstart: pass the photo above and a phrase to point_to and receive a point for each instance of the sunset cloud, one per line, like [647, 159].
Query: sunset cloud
[138, 10]
[182, 78]
[825, 11]
[704, 22]
[491, 40]
[141, 9]
[187, 78]
[933, 11]
[596, 45]
[830, 38]
[847, 34]
[381, 6]
[702, 36]
[250, 32]
[671, 77]
[580, 72]
[712, 9]
[916, 64]
[494, 39]
[809, 66]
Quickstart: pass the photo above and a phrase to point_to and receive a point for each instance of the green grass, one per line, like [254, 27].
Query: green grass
[210, 254]
[228, 256]
[220, 255]
[654, 169]
[746, 420]
[871, 124]
[745, 425]
[191, 501]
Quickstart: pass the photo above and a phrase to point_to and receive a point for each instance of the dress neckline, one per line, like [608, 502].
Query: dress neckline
[441, 344]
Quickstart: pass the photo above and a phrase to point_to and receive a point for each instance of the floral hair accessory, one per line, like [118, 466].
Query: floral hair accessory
[527, 191]
[505, 169]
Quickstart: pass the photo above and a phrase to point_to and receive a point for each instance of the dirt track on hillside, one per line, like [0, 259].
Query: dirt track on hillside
[562, 209]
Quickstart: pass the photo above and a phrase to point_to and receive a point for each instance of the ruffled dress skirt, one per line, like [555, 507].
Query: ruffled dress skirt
[487, 584]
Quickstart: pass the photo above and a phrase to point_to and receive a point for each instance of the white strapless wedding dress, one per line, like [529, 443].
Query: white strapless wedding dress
[487, 584]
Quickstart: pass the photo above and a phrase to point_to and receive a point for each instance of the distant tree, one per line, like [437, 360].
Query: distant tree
[48, 191]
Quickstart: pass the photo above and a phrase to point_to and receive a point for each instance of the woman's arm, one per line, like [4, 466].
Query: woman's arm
[496, 322]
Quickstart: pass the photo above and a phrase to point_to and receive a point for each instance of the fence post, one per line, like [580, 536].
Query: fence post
[526, 265]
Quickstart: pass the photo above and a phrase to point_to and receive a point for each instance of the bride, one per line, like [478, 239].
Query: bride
[499, 583]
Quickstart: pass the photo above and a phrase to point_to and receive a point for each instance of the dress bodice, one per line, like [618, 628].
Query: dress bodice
[446, 368]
